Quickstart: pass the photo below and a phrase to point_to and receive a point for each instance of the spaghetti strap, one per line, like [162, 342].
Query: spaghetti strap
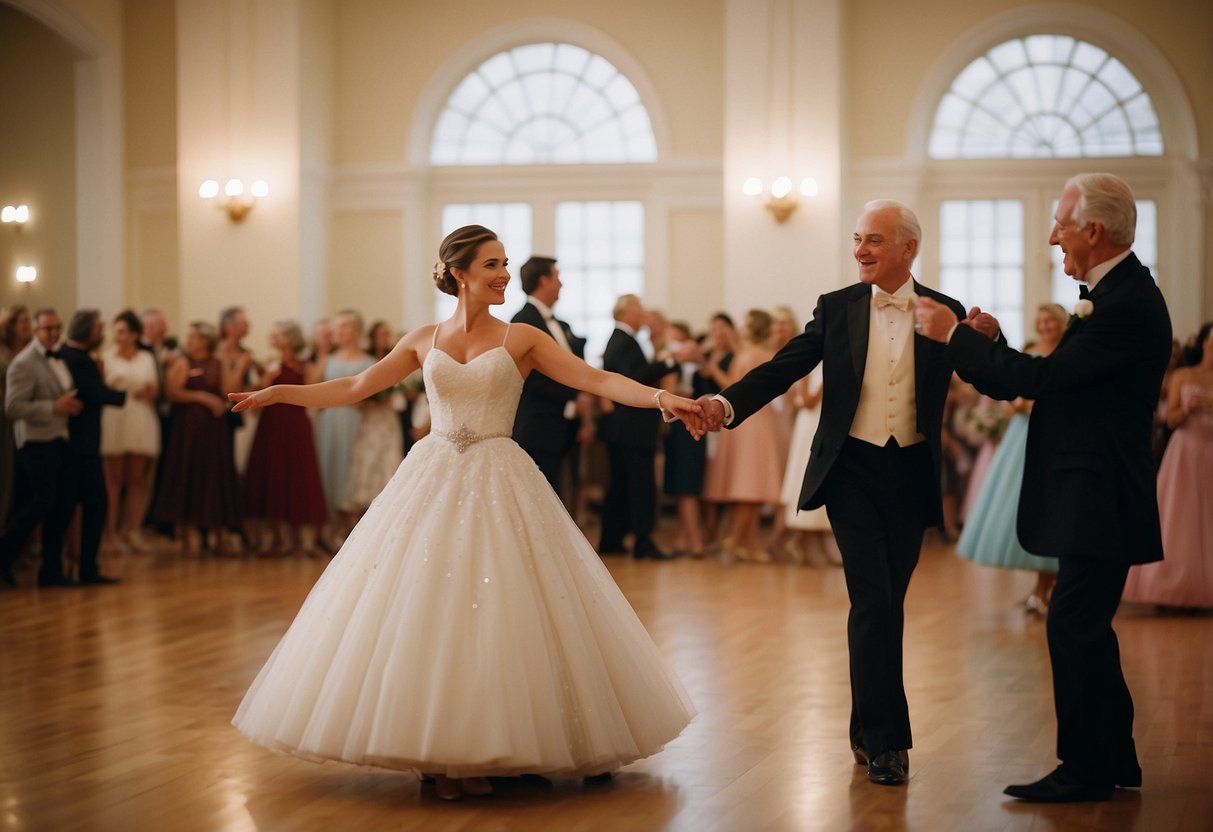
[507, 335]
[434, 339]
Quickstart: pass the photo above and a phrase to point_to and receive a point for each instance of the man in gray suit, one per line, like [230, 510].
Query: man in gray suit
[39, 399]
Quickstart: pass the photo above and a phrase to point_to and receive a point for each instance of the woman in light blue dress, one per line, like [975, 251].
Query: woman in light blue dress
[337, 427]
[989, 535]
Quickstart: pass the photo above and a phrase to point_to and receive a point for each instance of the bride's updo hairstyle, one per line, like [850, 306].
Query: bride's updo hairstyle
[458, 251]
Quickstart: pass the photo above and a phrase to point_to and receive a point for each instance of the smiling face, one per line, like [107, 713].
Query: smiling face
[1048, 328]
[487, 276]
[48, 330]
[124, 336]
[883, 260]
[1076, 240]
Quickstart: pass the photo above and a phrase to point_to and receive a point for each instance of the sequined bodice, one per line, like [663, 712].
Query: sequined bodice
[478, 398]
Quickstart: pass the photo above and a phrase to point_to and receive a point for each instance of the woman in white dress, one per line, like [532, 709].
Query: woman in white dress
[130, 434]
[809, 538]
[466, 628]
[379, 445]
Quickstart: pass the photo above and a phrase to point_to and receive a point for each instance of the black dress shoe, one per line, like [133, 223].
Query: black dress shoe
[595, 779]
[99, 579]
[6, 575]
[56, 581]
[886, 769]
[1058, 787]
[608, 549]
[862, 758]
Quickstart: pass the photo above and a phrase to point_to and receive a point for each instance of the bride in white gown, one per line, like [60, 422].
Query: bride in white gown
[467, 628]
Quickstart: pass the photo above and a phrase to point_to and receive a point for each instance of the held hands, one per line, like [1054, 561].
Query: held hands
[711, 417]
[678, 407]
[935, 321]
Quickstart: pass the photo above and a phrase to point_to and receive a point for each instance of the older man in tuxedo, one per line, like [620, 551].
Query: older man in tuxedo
[39, 399]
[546, 424]
[875, 461]
[1088, 495]
[87, 477]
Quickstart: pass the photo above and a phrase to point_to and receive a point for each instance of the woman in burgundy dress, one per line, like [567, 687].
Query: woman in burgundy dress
[282, 483]
[200, 490]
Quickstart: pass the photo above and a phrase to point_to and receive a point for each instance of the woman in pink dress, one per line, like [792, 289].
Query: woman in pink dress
[1184, 578]
[747, 470]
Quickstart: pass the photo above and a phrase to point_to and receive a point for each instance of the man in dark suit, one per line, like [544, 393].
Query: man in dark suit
[875, 461]
[546, 424]
[1088, 495]
[631, 435]
[39, 398]
[84, 334]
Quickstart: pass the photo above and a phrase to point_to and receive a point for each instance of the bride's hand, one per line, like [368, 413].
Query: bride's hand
[679, 406]
[251, 401]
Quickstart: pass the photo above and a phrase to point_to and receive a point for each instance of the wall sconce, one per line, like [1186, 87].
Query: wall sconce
[237, 203]
[780, 201]
[17, 215]
[26, 274]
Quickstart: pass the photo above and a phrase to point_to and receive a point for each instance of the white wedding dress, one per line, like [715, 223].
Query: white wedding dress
[466, 627]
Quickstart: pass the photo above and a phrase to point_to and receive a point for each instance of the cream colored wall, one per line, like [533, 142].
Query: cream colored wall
[366, 252]
[696, 280]
[150, 130]
[37, 166]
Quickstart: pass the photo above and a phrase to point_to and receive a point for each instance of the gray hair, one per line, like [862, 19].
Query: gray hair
[908, 227]
[623, 305]
[227, 317]
[81, 327]
[293, 334]
[207, 333]
[1107, 200]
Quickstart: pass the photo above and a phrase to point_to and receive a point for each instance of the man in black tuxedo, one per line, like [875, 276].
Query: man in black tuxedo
[546, 424]
[1088, 495]
[631, 435]
[39, 398]
[875, 461]
[84, 334]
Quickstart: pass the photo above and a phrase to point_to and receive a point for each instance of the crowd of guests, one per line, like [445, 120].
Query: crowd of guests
[139, 435]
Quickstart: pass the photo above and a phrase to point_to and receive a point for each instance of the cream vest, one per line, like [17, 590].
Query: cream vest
[887, 406]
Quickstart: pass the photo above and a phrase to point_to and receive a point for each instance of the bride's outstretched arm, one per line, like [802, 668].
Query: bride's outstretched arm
[389, 370]
[556, 363]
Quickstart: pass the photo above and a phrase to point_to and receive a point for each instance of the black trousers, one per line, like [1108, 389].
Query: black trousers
[87, 480]
[1094, 707]
[877, 502]
[49, 503]
[630, 503]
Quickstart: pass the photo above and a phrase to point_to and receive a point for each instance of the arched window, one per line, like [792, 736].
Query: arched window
[558, 106]
[1036, 97]
[1045, 96]
[544, 103]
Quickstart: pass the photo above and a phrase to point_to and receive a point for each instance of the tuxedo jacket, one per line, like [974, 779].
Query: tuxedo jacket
[1088, 484]
[837, 338]
[633, 427]
[84, 429]
[539, 423]
[29, 400]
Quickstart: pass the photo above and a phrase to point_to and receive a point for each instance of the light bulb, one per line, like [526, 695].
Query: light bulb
[8, 214]
[752, 186]
[22, 213]
[808, 186]
[234, 187]
[781, 187]
[208, 189]
[26, 274]
[260, 188]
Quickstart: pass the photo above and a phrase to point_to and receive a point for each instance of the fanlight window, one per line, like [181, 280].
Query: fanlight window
[1045, 96]
[543, 103]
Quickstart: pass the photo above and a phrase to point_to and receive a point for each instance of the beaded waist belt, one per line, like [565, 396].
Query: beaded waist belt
[463, 438]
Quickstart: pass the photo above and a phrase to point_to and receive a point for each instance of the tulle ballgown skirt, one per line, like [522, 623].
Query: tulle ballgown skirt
[467, 628]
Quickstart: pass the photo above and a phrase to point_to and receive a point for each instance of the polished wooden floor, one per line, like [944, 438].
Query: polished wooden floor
[115, 701]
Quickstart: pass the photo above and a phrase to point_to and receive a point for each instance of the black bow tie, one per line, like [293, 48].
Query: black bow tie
[53, 354]
[1083, 291]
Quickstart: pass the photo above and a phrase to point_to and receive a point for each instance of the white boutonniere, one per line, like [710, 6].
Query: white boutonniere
[1083, 308]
